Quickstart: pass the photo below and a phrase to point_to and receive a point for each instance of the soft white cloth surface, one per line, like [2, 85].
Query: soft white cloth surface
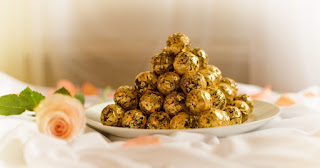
[289, 140]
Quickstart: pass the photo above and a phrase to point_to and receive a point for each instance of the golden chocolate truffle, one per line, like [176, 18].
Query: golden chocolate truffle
[161, 63]
[175, 103]
[247, 99]
[168, 82]
[216, 71]
[145, 81]
[126, 97]
[193, 80]
[151, 102]
[158, 120]
[210, 77]
[243, 107]
[165, 49]
[198, 101]
[177, 43]
[234, 114]
[202, 56]
[111, 115]
[196, 121]
[134, 119]
[186, 62]
[213, 118]
[218, 99]
[183, 120]
[230, 82]
[228, 91]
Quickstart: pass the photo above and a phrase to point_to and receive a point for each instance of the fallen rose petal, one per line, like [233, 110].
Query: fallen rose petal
[111, 94]
[316, 134]
[68, 85]
[50, 92]
[60, 116]
[309, 94]
[285, 100]
[264, 93]
[142, 140]
[89, 89]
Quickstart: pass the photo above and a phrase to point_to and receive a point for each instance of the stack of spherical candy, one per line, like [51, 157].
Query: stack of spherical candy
[182, 91]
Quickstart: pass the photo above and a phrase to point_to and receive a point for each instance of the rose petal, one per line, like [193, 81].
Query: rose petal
[50, 92]
[285, 100]
[89, 89]
[111, 94]
[68, 85]
[264, 93]
[309, 94]
[142, 140]
[60, 126]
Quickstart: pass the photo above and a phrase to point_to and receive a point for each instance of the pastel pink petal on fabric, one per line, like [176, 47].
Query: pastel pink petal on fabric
[309, 94]
[285, 100]
[68, 85]
[264, 93]
[142, 140]
[89, 89]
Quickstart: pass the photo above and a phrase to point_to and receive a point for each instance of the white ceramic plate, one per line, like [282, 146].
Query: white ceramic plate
[262, 113]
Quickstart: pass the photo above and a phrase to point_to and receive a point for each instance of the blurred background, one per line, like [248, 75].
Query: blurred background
[108, 42]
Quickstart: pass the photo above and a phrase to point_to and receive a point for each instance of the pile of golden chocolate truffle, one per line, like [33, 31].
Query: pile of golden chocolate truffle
[182, 91]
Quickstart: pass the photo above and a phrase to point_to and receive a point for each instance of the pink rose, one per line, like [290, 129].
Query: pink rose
[60, 116]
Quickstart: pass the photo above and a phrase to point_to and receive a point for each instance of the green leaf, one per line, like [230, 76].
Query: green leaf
[63, 91]
[32, 97]
[80, 97]
[13, 104]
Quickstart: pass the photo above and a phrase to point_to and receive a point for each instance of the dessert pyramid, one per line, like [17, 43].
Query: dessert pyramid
[180, 92]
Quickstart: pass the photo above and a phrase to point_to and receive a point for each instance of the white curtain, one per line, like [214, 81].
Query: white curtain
[285, 48]
[28, 35]
[22, 39]
[109, 42]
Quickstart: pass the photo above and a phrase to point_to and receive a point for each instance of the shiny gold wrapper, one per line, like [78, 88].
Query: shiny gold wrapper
[183, 120]
[191, 81]
[228, 91]
[177, 43]
[230, 82]
[210, 77]
[146, 81]
[216, 71]
[134, 119]
[243, 107]
[195, 121]
[218, 98]
[247, 99]
[158, 120]
[165, 49]
[234, 114]
[112, 115]
[186, 62]
[168, 82]
[213, 118]
[161, 63]
[198, 101]
[126, 97]
[175, 103]
[151, 102]
[202, 56]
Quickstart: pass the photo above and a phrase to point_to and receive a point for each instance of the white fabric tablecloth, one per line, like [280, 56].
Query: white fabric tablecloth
[290, 140]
